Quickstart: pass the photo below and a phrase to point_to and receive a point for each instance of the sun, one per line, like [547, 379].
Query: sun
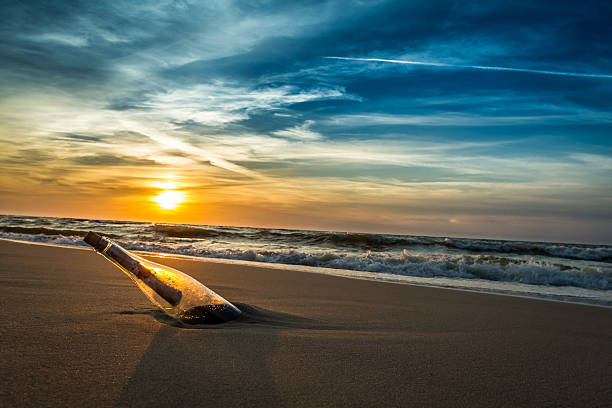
[169, 199]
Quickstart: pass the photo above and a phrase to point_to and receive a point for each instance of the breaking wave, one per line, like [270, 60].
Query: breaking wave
[568, 251]
[407, 264]
[47, 231]
[180, 231]
[385, 241]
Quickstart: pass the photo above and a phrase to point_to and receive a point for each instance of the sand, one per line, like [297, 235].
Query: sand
[75, 331]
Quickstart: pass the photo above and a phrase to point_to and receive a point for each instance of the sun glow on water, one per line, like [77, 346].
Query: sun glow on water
[170, 199]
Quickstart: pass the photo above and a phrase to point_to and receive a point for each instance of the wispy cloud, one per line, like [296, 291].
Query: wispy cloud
[483, 67]
[301, 132]
[60, 38]
[218, 103]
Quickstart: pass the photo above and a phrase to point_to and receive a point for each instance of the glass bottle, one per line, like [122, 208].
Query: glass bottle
[176, 293]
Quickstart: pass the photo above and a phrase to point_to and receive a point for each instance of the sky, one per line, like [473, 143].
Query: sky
[444, 118]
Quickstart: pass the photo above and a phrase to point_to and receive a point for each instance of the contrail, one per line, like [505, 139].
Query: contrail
[490, 68]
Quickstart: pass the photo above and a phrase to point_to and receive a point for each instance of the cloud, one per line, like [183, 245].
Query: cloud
[181, 146]
[28, 157]
[218, 103]
[110, 160]
[595, 161]
[83, 138]
[60, 38]
[301, 132]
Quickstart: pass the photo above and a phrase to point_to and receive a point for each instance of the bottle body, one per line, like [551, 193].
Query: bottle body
[176, 293]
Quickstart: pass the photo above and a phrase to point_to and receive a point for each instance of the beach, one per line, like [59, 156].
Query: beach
[75, 331]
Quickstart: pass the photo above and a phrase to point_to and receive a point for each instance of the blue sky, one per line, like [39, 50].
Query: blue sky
[239, 106]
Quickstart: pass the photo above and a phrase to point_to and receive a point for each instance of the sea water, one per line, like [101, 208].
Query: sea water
[562, 271]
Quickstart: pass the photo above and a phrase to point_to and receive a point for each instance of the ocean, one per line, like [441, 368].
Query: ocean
[560, 271]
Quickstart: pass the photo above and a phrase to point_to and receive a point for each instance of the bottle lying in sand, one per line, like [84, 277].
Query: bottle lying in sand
[177, 294]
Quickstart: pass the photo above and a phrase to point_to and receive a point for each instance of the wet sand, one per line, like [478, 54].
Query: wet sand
[75, 331]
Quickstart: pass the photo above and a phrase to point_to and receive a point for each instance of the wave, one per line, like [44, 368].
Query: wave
[183, 231]
[366, 241]
[408, 264]
[384, 242]
[48, 231]
[567, 251]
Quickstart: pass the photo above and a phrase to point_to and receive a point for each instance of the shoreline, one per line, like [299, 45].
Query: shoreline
[77, 332]
[435, 282]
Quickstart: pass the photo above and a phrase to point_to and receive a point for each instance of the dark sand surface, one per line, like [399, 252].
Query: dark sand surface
[75, 331]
